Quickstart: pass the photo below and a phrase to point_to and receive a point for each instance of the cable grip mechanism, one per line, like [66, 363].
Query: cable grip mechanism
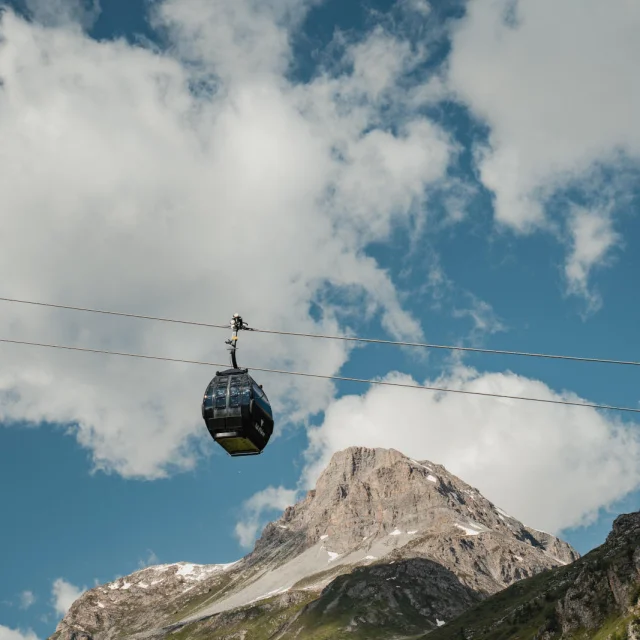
[237, 324]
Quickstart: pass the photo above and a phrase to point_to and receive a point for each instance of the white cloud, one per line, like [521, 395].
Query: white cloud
[64, 595]
[419, 6]
[485, 319]
[83, 13]
[592, 237]
[14, 634]
[27, 598]
[123, 190]
[551, 466]
[149, 561]
[557, 84]
[456, 200]
[378, 61]
[234, 39]
[255, 508]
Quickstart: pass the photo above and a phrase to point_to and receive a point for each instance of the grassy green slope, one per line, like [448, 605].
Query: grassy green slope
[382, 601]
[260, 621]
[595, 597]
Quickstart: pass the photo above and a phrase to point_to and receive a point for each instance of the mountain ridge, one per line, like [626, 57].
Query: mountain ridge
[375, 516]
[597, 598]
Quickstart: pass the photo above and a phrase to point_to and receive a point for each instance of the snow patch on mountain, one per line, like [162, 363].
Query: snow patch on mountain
[374, 502]
[185, 570]
[473, 530]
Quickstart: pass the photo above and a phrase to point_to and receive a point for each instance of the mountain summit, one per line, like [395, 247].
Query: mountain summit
[383, 541]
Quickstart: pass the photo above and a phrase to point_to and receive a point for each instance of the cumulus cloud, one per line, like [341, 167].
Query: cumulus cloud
[27, 598]
[192, 183]
[592, 237]
[551, 466]
[81, 13]
[14, 634]
[64, 594]
[557, 85]
[256, 508]
[419, 6]
[240, 39]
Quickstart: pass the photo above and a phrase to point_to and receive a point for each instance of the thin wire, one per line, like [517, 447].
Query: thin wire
[330, 337]
[117, 313]
[454, 348]
[325, 377]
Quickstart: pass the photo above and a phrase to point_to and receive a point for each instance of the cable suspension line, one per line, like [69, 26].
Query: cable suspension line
[325, 377]
[424, 345]
[117, 313]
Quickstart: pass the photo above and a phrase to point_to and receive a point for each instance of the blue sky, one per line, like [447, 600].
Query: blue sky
[405, 170]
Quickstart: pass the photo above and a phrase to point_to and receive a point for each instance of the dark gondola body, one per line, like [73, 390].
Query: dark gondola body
[237, 413]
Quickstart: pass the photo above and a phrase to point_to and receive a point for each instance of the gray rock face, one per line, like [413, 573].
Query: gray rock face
[370, 493]
[141, 601]
[598, 596]
[607, 584]
[370, 507]
[405, 597]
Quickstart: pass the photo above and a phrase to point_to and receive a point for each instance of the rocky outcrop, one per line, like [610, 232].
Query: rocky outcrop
[597, 596]
[404, 598]
[605, 584]
[144, 600]
[378, 501]
[378, 529]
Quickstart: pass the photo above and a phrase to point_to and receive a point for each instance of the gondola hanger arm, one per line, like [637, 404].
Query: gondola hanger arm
[237, 324]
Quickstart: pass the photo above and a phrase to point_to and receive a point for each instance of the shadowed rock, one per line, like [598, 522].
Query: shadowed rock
[371, 508]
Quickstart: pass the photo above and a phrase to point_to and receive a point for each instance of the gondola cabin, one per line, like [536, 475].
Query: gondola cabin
[237, 413]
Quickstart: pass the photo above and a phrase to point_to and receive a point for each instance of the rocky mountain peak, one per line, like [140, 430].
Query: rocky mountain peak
[374, 516]
[365, 495]
[352, 462]
[624, 526]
